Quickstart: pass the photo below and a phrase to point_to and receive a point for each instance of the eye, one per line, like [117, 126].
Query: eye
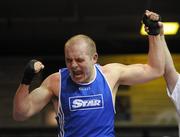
[68, 60]
[80, 60]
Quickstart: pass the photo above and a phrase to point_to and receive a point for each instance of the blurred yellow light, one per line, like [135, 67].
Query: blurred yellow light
[170, 28]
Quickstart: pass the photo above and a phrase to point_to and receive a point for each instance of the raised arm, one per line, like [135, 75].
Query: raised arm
[140, 73]
[27, 103]
[170, 75]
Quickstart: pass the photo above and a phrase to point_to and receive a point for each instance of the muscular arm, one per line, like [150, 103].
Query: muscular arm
[170, 75]
[26, 105]
[140, 73]
[154, 68]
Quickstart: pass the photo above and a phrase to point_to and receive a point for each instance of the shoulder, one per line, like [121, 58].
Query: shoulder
[113, 71]
[113, 67]
[118, 72]
[52, 82]
[54, 76]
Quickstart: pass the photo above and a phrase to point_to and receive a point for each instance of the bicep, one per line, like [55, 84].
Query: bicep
[137, 73]
[39, 98]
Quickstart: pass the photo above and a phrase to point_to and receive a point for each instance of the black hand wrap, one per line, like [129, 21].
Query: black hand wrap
[29, 73]
[153, 26]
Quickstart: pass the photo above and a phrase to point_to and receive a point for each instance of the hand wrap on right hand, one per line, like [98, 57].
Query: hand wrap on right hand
[153, 26]
[29, 73]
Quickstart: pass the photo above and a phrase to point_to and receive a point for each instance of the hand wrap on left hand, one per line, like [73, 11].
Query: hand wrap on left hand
[153, 25]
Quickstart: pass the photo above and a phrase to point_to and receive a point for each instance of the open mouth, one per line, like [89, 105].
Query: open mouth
[77, 74]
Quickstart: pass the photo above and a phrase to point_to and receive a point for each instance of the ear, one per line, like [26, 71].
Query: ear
[95, 58]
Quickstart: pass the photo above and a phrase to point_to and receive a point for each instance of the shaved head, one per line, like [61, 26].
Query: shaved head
[91, 46]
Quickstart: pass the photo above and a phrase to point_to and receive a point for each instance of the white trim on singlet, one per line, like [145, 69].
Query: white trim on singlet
[98, 67]
[60, 113]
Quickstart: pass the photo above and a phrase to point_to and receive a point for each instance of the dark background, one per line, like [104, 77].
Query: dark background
[41, 27]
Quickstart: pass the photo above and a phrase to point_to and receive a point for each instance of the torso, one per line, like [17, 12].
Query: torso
[107, 70]
[109, 74]
[77, 102]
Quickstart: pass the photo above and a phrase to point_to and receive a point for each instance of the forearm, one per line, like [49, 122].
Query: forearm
[169, 64]
[170, 75]
[156, 55]
[21, 103]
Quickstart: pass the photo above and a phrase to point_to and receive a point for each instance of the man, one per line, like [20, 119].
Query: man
[171, 76]
[84, 93]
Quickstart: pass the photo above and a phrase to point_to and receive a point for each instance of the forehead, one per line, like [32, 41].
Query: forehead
[79, 42]
[76, 48]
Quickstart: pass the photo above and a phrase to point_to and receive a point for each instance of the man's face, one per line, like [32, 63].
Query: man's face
[79, 62]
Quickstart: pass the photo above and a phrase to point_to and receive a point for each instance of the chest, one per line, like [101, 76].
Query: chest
[85, 97]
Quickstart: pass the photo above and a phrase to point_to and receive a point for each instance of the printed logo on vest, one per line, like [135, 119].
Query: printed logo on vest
[86, 102]
[84, 88]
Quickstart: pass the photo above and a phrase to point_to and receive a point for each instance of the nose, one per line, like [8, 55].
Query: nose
[74, 64]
